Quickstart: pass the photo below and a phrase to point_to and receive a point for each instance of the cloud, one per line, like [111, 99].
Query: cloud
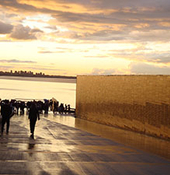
[5, 28]
[97, 56]
[36, 31]
[97, 71]
[16, 5]
[40, 68]
[150, 35]
[52, 27]
[16, 61]
[146, 23]
[143, 68]
[103, 35]
[139, 20]
[143, 52]
[158, 57]
[12, 15]
[46, 51]
[6, 67]
[163, 59]
[19, 6]
[24, 33]
[59, 50]
[108, 4]
[122, 11]
[81, 17]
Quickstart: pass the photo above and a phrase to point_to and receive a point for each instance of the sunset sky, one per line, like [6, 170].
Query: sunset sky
[92, 37]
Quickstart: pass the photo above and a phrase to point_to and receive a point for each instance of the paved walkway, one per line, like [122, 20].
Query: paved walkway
[63, 150]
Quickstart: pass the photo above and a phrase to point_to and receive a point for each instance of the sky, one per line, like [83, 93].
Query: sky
[85, 37]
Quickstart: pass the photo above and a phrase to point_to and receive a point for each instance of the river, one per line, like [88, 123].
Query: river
[25, 88]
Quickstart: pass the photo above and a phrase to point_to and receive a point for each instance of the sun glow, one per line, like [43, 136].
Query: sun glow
[84, 37]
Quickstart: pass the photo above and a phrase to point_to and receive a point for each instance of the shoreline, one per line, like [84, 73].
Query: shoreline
[44, 79]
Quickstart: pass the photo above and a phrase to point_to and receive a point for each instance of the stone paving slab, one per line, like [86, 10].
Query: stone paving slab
[63, 150]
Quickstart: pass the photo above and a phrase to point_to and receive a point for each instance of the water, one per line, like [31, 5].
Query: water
[64, 90]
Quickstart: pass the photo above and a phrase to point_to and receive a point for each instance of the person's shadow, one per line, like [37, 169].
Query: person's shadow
[30, 148]
[31, 145]
[67, 171]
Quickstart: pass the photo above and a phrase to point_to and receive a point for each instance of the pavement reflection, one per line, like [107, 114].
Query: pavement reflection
[62, 146]
[31, 145]
[140, 141]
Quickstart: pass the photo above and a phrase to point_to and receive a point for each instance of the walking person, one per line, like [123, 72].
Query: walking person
[6, 112]
[33, 116]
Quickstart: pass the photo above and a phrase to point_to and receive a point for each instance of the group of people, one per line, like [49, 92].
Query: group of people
[7, 111]
[34, 108]
[43, 106]
[55, 107]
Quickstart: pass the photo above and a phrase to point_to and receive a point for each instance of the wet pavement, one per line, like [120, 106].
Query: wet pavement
[61, 147]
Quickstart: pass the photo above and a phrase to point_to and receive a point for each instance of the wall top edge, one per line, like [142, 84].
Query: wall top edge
[122, 75]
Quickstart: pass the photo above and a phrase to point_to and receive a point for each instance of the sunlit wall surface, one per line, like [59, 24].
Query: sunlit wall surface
[137, 102]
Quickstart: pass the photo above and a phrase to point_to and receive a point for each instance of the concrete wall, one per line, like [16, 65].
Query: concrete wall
[139, 103]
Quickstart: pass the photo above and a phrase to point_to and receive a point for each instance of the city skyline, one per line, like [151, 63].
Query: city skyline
[23, 73]
[93, 37]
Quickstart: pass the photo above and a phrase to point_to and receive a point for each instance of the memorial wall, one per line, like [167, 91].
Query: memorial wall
[140, 103]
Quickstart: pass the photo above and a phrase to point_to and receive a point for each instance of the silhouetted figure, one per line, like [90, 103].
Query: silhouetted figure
[53, 104]
[22, 106]
[6, 112]
[0, 104]
[28, 104]
[56, 103]
[33, 116]
[16, 104]
[40, 105]
[68, 108]
[61, 108]
[65, 109]
[46, 106]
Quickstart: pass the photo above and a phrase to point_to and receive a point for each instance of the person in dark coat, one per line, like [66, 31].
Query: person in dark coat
[33, 116]
[6, 112]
